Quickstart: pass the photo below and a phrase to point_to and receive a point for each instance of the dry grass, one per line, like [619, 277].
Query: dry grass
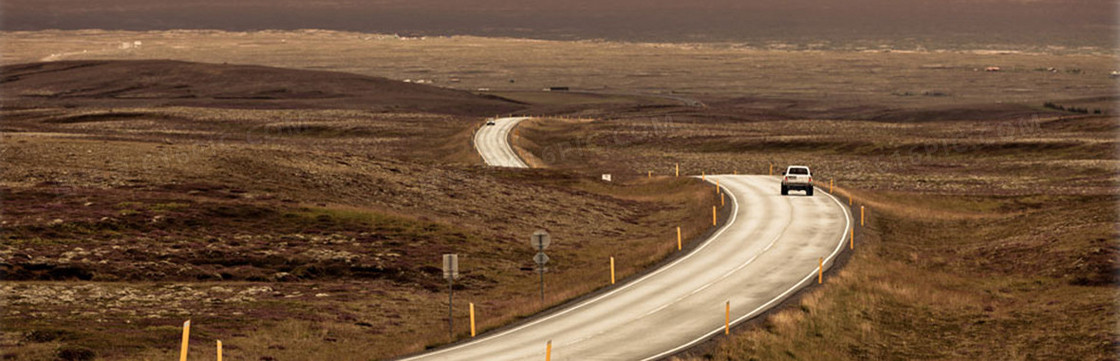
[958, 186]
[904, 296]
[353, 205]
[820, 82]
[982, 244]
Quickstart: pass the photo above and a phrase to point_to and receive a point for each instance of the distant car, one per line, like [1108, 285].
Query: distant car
[490, 122]
[797, 177]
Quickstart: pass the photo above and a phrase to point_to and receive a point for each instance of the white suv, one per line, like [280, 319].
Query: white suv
[797, 177]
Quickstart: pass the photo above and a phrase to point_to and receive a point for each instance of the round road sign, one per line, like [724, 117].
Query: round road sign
[540, 239]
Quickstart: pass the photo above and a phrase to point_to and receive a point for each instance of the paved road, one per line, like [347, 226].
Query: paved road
[768, 250]
[492, 143]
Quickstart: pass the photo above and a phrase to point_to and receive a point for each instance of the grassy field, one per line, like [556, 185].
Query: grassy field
[292, 233]
[987, 239]
[810, 83]
[315, 233]
[911, 290]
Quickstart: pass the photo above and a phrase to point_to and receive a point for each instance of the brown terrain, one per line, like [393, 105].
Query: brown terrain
[800, 24]
[297, 226]
[305, 230]
[988, 239]
[162, 83]
[764, 80]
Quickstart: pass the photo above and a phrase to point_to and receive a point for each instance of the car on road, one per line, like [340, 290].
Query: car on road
[490, 122]
[797, 177]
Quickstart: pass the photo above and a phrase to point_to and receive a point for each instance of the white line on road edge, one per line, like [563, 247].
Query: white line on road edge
[773, 241]
[753, 313]
[507, 146]
[829, 260]
[734, 212]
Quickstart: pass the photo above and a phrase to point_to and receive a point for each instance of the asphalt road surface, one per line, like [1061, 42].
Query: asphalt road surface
[768, 249]
[492, 143]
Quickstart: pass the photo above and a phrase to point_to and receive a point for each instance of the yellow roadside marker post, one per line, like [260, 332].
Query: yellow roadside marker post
[186, 340]
[649, 174]
[548, 351]
[849, 199]
[851, 238]
[678, 238]
[472, 318]
[717, 185]
[820, 271]
[703, 176]
[219, 350]
[771, 168]
[727, 319]
[612, 270]
[721, 200]
[861, 216]
[830, 186]
[678, 171]
[713, 215]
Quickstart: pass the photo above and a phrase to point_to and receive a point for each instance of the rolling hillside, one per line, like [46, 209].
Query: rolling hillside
[146, 83]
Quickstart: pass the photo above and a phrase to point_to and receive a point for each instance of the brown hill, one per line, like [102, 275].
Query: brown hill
[149, 83]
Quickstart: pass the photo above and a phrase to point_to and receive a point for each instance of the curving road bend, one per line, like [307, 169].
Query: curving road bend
[767, 251]
[492, 142]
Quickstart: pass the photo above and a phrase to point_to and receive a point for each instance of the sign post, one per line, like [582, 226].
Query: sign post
[450, 272]
[540, 240]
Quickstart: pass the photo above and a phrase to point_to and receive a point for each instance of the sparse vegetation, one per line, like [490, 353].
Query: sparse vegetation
[286, 242]
[1028, 204]
[294, 225]
[824, 83]
[1070, 109]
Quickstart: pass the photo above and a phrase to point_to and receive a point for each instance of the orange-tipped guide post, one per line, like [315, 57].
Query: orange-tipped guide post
[727, 319]
[678, 238]
[186, 340]
[820, 271]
